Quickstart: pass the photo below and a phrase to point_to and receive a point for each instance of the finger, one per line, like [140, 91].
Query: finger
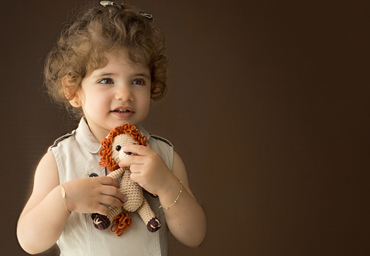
[111, 201]
[136, 169]
[135, 177]
[137, 149]
[101, 209]
[104, 180]
[113, 192]
[131, 160]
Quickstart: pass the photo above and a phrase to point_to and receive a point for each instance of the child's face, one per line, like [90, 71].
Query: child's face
[116, 94]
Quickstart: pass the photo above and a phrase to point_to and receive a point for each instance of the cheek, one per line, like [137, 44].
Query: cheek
[91, 103]
[146, 102]
[83, 98]
[95, 98]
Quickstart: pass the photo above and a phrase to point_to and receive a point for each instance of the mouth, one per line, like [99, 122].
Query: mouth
[123, 110]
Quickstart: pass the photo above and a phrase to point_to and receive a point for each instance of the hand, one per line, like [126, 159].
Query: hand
[89, 195]
[147, 169]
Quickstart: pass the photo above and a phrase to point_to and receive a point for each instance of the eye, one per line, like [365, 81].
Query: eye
[106, 81]
[118, 147]
[139, 81]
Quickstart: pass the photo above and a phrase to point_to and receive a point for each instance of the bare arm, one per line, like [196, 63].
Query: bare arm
[39, 227]
[185, 219]
[44, 216]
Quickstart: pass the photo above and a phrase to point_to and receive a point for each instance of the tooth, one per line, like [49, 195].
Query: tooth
[122, 110]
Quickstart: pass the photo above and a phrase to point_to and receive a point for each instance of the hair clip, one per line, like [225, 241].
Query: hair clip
[147, 15]
[109, 3]
[113, 4]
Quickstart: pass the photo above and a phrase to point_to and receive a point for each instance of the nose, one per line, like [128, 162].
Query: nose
[123, 93]
[123, 154]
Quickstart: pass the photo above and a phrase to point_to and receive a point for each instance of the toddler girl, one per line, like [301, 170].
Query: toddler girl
[108, 65]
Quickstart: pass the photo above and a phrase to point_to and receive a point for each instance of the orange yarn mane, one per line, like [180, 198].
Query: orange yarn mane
[105, 152]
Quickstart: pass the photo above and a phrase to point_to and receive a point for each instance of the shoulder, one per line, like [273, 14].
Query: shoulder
[62, 138]
[46, 178]
[47, 163]
[160, 139]
[163, 147]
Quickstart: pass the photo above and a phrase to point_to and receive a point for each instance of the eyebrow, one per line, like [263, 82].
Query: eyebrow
[104, 74]
[144, 75]
[110, 74]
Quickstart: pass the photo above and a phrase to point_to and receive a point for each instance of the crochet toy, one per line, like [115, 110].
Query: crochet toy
[111, 153]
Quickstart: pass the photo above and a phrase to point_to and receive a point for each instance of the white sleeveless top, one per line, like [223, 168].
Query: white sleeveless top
[77, 156]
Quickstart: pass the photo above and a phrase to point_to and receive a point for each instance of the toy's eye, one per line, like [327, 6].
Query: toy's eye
[118, 147]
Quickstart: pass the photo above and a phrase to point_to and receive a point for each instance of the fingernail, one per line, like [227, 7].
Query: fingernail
[119, 164]
[125, 199]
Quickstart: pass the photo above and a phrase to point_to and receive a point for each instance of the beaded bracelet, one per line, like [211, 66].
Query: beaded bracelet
[177, 199]
[64, 197]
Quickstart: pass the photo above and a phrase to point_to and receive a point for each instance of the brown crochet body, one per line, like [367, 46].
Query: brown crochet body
[110, 156]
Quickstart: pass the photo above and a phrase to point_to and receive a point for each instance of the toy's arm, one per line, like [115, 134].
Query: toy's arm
[116, 174]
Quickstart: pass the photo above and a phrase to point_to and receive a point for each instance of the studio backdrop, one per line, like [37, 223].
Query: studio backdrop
[268, 106]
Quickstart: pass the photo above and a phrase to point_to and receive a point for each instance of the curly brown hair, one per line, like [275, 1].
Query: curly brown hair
[92, 33]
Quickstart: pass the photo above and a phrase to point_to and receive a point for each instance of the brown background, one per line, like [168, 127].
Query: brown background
[268, 107]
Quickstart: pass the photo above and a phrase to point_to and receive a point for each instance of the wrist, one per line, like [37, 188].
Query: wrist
[67, 199]
[64, 196]
[171, 195]
[175, 201]
[170, 185]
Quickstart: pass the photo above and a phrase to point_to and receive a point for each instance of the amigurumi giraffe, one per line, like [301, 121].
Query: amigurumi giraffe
[111, 153]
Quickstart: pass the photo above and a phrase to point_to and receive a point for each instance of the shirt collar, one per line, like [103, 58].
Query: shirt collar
[86, 138]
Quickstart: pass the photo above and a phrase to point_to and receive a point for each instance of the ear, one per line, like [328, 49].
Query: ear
[70, 92]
